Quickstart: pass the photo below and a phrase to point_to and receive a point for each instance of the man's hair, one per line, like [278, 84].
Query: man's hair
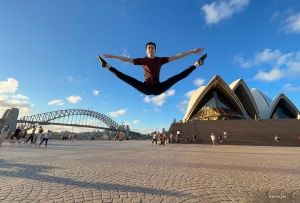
[150, 43]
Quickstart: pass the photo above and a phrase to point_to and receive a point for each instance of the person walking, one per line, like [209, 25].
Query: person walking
[4, 133]
[24, 134]
[213, 139]
[31, 135]
[39, 135]
[152, 66]
[194, 138]
[171, 138]
[220, 138]
[46, 137]
[154, 137]
[15, 134]
[225, 134]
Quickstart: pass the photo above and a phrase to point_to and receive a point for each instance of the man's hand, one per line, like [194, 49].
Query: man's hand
[198, 50]
[107, 56]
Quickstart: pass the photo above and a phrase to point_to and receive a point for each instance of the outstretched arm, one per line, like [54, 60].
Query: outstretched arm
[181, 55]
[120, 58]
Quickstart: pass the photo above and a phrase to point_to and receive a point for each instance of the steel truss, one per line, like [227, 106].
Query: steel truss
[49, 116]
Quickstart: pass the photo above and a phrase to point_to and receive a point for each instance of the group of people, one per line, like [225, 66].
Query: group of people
[213, 137]
[19, 135]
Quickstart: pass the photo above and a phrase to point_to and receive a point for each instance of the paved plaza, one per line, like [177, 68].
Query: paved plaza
[136, 171]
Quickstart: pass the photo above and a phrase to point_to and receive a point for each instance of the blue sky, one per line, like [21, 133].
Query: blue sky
[48, 53]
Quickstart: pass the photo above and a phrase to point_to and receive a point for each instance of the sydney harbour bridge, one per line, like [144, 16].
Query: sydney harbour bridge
[70, 117]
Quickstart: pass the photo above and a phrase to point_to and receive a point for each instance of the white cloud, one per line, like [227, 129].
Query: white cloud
[125, 53]
[19, 96]
[266, 56]
[274, 74]
[107, 95]
[244, 64]
[275, 15]
[25, 110]
[282, 65]
[160, 99]
[221, 10]
[74, 99]
[11, 85]
[183, 106]
[289, 87]
[136, 121]
[70, 78]
[199, 81]
[292, 24]
[117, 113]
[189, 94]
[96, 92]
[56, 102]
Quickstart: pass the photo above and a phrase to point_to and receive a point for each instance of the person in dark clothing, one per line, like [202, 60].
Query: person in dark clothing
[16, 134]
[151, 66]
[31, 135]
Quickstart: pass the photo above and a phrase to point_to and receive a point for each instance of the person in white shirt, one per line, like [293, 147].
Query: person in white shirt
[213, 139]
[154, 138]
[46, 137]
[225, 134]
[4, 133]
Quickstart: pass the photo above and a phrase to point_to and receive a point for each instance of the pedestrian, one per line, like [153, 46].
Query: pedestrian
[187, 139]
[39, 135]
[24, 134]
[213, 139]
[171, 138]
[152, 66]
[220, 137]
[31, 135]
[15, 134]
[225, 134]
[162, 139]
[4, 133]
[75, 136]
[46, 137]
[154, 136]
[194, 138]
[276, 140]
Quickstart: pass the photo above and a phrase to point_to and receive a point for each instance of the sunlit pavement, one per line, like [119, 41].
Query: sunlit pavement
[136, 171]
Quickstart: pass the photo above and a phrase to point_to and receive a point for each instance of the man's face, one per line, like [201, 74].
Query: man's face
[150, 50]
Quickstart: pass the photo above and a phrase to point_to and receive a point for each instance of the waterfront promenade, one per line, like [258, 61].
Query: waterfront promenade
[136, 171]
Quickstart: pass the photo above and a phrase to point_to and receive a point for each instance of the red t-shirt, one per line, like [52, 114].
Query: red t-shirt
[151, 68]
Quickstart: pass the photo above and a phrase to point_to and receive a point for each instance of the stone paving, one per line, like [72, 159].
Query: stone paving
[136, 171]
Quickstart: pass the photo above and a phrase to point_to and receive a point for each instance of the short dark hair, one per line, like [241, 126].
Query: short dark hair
[151, 43]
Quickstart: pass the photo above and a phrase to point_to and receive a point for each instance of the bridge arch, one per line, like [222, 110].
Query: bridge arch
[49, 116]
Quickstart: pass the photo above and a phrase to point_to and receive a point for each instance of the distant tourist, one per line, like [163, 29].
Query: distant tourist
[46, 137]
[154, 138]
[31, 135]
[4, 133]
[15, 134]
[178, 137]
[225, 133]
[194, 138]
[171, 138]
[220, 138]
[187, 139]
[213, 139]
[162, 139]
[255, 117]
[39, 135]
[24, 134]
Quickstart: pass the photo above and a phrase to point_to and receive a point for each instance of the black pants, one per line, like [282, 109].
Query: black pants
[45, 139]
[30, 137]
[156, 89]
[154, 140]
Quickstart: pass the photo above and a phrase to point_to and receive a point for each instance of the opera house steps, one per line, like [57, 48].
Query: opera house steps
[242, 132]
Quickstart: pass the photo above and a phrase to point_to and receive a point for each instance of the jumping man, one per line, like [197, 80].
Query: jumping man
[151, 66]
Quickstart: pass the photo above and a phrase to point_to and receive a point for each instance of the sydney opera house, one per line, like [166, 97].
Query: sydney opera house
[219, 101]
